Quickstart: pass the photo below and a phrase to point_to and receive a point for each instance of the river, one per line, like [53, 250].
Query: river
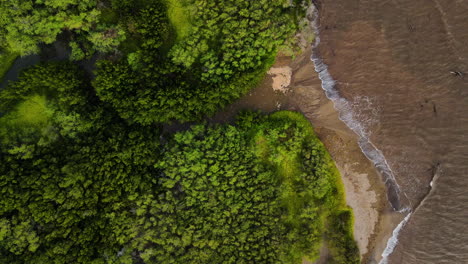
[399, 68]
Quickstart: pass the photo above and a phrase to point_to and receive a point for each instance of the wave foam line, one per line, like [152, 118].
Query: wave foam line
[393, 240]
[347, 115]
[375, 155]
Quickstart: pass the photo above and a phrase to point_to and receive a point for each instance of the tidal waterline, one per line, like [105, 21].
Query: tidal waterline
[348, 116]
[405, 56]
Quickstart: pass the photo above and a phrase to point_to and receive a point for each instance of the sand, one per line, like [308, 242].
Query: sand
[281, 78]
[365, 192]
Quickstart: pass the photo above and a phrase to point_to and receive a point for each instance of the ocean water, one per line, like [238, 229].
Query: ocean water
[351, 113]
[398, 73]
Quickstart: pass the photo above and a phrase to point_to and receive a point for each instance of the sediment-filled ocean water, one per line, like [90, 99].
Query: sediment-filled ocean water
[400, 76]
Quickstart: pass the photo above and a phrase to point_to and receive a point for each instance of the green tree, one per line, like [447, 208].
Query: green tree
[71, 201]
[28, 23]
[227, 51]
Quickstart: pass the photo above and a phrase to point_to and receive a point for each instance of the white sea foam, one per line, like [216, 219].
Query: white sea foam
[349, 117]
[393, 241]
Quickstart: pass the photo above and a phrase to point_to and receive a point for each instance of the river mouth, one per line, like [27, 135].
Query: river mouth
[401, 67]
[365, 190]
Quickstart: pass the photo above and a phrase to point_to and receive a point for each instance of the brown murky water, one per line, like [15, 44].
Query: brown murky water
[401, 67]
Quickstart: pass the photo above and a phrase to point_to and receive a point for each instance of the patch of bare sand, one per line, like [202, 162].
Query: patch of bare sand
[281, 78]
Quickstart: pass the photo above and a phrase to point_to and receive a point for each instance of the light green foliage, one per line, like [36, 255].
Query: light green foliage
[6, 61]
[261, 192]
[179, 15]
[28, 23]
[33, 111]
[227, 51]
[45, 96]
[77, 53]
[106, 39]
[325, 185]
[212, 193]
[134, 60]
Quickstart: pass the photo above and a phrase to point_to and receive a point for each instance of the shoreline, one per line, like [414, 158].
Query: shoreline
[365, 191]
[374, 219]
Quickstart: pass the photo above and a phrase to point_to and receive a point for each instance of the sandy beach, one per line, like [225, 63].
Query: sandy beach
[293, 84]
[365, 192]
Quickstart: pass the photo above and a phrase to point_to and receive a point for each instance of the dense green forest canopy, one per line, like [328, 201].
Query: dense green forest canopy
[191, 63]
[25, 24]
[88, 176]
[161, 60]
[263, 190]
[258, 192]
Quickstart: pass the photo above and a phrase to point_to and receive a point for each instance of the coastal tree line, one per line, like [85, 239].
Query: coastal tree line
[88, 176]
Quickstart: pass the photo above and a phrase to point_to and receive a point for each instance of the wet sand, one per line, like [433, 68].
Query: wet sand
[365, 191]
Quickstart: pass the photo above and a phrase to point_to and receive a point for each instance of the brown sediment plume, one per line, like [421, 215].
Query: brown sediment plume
[409, 58]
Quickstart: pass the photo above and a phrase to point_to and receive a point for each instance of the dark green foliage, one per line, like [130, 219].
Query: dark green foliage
[98, 25]
[153, 26]
[228, 195]
[73, 199]
[86, 177]
[341, 242]
[144, 100]
[232, 37]
[216, 203]
[145, 88]
[228, 49]
[69, 198]
[68, 187]
[49, 79]
[106, 38]
[28, 23]
[34, 112]
[7, 58]
[320, 182]
[259, 192]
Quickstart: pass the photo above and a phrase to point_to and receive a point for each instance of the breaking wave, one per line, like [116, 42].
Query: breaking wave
[348, 116]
